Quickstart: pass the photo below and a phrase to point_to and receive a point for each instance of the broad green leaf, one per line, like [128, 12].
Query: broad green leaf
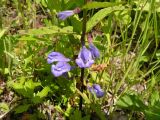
[131, 102]
[22, 108]
[44, 92]
[48, 30]
[101, 14]
[95, 5]
[32, 38]
[31, 85]
[38, 98]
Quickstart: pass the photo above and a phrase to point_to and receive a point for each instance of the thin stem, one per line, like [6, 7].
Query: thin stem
[81, 89]
[84, 27]
[83, 43]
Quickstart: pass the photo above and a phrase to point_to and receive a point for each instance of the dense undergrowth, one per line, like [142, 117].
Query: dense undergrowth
[121, 37]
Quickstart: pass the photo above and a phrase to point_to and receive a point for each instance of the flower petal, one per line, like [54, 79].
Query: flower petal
[96, 89]
[56, 56]
[65, 14]
[80, 63]
[84, 59]
[60, 68]
[100, 94]
[85, 54]
[94, 51]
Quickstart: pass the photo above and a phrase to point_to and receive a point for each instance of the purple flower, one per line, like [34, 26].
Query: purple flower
[84, 59]
[96, 89]
[56, 56]
[65, 14]
[94, 51]
[60, 68]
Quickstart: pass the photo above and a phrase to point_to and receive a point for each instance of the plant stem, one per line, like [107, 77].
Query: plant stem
[83, 43]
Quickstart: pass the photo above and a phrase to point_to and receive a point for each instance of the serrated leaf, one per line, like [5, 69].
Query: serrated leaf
[95, 5]
[22, 108]
[48, 30]
[101, 14]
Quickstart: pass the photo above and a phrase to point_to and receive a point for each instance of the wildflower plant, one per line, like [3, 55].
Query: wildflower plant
[86, 56]
[80, 58]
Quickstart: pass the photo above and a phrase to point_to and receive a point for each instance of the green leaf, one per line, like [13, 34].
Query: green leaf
[32, 38]
[4, 107]
[84, 96]
[22, 108]
[2, 32]
[97, 109]
[154, 97]
[77, 115]
[153, 112]
[101, 14]
[48, 30]
[31, 85]
[38, 98]
[95, 5]
[131, 102]
[44, 92]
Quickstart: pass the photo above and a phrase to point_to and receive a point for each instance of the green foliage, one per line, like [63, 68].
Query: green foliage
[49, 30]
[95, 5]
[22, 108]
[127, 35]
[101, 14]
[131, 102]
[4, 107]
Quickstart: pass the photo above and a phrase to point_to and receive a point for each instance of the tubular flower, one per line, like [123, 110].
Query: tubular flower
[65, 14]
[96, 89]
[94, 51]
[84, 59]
[60, 68]
[55, 57]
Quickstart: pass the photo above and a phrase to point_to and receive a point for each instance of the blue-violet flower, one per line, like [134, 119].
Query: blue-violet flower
[96, 89]
[65, 14]
[60, 68]
[94, 51]
[84, 59]
[55, 57]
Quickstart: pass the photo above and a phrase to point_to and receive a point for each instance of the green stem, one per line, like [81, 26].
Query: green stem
[83, 43]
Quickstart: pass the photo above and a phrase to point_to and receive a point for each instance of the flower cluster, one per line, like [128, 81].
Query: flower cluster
[86, 57]
[95, 89]
[61, 66]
